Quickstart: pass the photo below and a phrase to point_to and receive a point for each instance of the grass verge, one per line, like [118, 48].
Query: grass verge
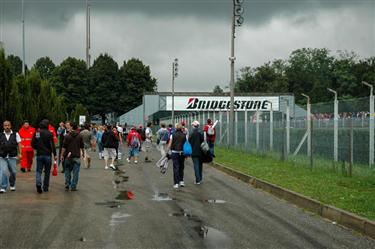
[355, 194]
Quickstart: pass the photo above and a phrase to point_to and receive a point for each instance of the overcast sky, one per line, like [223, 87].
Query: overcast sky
[197, 32]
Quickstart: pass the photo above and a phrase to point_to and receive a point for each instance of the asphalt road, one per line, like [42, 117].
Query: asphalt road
[221, 213]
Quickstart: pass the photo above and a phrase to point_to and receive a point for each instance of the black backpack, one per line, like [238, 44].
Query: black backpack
[142, 132]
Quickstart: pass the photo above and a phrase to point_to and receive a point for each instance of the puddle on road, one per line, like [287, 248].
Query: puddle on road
[212, 237]
[215, 201]
[118, 218]
[110, 204]
[162, 197]
[125, 195]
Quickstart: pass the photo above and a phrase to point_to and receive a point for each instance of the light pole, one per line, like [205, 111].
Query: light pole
[88, 41]
[174, 75]
[237, 20]
[371, 138]
[1, 24]
[335, 125]
[23, 38]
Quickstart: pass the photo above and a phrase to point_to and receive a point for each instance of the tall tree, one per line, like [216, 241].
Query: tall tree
[135, 80]
[45, 67]
[71, 82]
[15, 63]
[5, 84]
[309, 71]
[104, 86]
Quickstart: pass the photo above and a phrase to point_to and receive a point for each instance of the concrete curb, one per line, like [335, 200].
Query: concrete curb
[340, 216]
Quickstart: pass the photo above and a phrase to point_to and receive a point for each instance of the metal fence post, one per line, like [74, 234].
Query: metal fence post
[246, 128]
[271, 128]
[220, 124]
[287, 128]
[228, 138]
[257, 128]
[372, 116]
[236, 126]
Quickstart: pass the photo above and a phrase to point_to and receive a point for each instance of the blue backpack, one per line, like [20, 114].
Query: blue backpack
[187, 149]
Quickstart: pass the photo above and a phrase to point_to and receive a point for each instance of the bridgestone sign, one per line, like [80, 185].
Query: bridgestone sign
[220, 103]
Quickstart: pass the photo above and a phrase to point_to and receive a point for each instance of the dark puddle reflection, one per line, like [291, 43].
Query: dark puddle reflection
[125, 195]
[215, 201]
[110, 204]
[162, 197]
[212, 238]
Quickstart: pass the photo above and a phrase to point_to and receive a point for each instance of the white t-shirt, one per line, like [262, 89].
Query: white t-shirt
[148, 132]
[18, 138]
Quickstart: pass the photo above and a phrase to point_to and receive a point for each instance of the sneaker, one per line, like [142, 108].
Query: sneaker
[113, 167]
[45, 189]
[128, 160]
[135, 162]
[106, 167]
[2, 191]
[198, 183]
[182, 184]
[175, 186]
[39, 189]
[23, 170]
[66, 187]
[12, 188]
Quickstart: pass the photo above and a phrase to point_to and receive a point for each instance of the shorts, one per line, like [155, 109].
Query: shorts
[109, 153]
[133, 151]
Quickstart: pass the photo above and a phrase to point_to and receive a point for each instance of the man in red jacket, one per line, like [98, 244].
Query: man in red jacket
[26, 133]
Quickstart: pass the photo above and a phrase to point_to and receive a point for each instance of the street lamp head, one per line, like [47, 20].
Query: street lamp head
[238, 2]
[331, 90]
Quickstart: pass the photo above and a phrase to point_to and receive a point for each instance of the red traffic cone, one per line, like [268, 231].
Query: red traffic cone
[54, 172]
[130, 195]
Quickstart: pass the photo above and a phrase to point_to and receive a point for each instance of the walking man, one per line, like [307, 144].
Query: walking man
[70, 156]
[88, 141]
[196, 139]
[148, 141]
[163, 138]
[43, 143]
[110, 144]
[9, 143]
[26, 133]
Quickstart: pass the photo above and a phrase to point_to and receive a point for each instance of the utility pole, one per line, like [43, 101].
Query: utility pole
[23, 38]
[174, 75]
[371, 126]
[88, 42]
[237, 20]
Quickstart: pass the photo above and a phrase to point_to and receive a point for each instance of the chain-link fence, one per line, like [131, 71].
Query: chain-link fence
[319, 140]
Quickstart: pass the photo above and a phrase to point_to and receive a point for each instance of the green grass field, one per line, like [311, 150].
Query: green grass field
[355, 194]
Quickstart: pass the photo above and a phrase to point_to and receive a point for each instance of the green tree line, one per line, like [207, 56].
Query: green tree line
[103, 88]
[310, 71]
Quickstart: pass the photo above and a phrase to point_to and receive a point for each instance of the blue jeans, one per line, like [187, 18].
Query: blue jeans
[43, 162]
[72, 165]
[211, 145]
[197, 162]
[8, 165]
[178, 167]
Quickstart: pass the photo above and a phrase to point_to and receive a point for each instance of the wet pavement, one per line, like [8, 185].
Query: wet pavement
[136, 207]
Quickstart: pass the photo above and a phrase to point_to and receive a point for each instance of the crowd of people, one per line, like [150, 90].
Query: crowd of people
[75, 143]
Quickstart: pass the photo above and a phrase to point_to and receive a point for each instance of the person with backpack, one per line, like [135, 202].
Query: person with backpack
[196, 139]
[134, 141]
[176, 145]
[43, 143]
[210, 135]
[162, 139]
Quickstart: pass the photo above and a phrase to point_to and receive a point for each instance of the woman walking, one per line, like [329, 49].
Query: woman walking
[176, 144]
[99, 135]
